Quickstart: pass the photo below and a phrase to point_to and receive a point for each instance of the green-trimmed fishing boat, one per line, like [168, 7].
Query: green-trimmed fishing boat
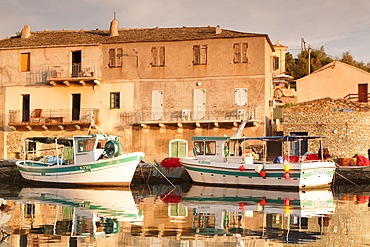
[93, 159]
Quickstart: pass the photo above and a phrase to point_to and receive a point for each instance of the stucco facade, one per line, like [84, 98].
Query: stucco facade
[147, 86]
[335, 80]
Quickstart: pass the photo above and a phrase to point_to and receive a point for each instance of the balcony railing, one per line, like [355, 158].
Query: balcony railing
[188, 114]
[62, 73]
[52, 116]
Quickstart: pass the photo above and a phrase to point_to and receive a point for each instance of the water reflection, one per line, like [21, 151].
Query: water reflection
[182, 216]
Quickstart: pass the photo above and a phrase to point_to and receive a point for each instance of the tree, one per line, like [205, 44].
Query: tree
[299, 66]
[348, 59]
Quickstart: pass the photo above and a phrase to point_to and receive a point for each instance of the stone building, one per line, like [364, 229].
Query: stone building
[146, 85]
[344, 124]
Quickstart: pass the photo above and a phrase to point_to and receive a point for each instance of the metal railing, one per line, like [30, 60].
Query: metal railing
[359, 98]
[183, 114]
[53, 116]
[43, 75]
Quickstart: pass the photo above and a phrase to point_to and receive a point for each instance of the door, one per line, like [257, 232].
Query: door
[199, 103]
[26, 108]
[76, 107]
[362, 93]
[178, 148]
[157, 105]
[298, 147]
[76, 57]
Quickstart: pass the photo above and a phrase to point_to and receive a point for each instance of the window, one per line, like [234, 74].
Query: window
[25, 62]
[114, 100]
[198, 148]
[115, 58]
[275, 63]
[210, 148]
[158, 55]
[241, 96]
[240, 50]
[199, 54]
[85, 145]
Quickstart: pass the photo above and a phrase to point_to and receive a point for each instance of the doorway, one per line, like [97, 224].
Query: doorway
[298, 147]
[362, 93]
[76, 107]
[26, 108]
[178, 148]
[76, 57]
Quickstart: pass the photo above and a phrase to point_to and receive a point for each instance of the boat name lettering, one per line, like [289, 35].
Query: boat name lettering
[85, 167]
[320, 172]
[203, 162]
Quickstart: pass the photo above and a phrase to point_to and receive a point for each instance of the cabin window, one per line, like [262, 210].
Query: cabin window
[115, 100]
[199, 54]
[101, 144]
[199, 148]
[115, 58]
[85, 145]
[25, 62]
[158, 55]
[210, 148]
[240, 50]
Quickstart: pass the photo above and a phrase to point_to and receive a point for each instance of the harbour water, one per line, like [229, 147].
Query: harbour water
[187, 215]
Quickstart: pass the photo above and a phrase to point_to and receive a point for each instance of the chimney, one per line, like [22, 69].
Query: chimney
[26, 32]
[114, 28]
[218, 29]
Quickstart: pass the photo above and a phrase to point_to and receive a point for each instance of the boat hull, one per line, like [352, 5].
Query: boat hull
[117, 171]
[299, 175]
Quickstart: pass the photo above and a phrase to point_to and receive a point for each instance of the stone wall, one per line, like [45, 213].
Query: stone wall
[344, 124]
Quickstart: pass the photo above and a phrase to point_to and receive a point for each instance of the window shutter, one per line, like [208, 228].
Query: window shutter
[244, 48]
[119, 57]
[161, 56]
[154, 57]
[25, 61]
[203, 54]
[237, 58]
[111, 58]
[196, 54]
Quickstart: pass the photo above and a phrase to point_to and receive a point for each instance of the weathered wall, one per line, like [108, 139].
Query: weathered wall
[347, 132]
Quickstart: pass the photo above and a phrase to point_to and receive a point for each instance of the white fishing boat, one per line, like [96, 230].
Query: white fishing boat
[230, 161]
[93, 159]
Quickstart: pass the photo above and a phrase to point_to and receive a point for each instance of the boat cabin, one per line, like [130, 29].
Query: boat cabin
[72, 149]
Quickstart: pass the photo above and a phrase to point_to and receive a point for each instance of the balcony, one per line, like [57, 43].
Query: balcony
[52, 119]
[190, 116]
[76, 74]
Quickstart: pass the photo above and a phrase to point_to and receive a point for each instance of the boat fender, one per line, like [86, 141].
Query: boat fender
[258, 168]
[241, 168]
[263, 173]
[286, 168]
[112, 148]
[286, 175]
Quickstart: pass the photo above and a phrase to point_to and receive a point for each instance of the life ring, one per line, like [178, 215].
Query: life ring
[112, 148]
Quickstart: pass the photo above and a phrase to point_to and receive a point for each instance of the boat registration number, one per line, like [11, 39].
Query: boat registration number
[203, 162]
[320, 172]
[85, 167]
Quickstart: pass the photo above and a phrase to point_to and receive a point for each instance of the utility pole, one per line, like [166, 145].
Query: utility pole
[309, 59]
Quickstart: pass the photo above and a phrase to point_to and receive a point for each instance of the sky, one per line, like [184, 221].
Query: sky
[337, 25]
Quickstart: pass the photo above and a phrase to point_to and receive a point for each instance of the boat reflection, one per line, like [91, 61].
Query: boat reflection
[291, 217]
[48, 214]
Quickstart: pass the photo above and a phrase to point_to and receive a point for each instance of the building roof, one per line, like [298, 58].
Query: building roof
[98, 37]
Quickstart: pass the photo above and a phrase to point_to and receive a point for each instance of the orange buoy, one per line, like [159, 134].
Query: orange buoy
[286, 202]
[263, 202]
[241, 168]
[263, 173]
[286, 175]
